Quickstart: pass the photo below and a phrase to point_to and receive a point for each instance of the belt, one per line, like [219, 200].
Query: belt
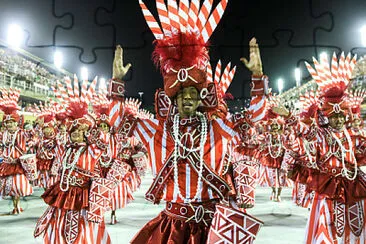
[333, 171]
[191, 212]
[75, 181]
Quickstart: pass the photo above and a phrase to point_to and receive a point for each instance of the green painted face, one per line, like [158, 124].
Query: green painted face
[104, 127]
[48, 132]
[188, 100]
[11, 125]
[337, 121]
[77, 135]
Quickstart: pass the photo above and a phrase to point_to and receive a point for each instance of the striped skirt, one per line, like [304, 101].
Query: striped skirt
[334, 222]
[73, 227]
[15, 185]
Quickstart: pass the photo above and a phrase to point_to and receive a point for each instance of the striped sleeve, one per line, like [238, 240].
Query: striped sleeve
[146, 129]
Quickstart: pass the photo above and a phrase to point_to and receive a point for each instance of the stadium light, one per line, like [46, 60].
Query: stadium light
[58, 59]
[323, 57]
[363, 35]
[280, 85]
[84, 73]
[298, 77]
[15, 35]
[102, 85]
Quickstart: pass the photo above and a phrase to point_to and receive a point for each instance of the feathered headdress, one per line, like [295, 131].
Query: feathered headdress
[222, 82]
[309, 104]
[101, 107]
[332, 80]
[271, 117]
[45, 112]
[181, 36]
[355, 100]
[9, 103]
[76, 101]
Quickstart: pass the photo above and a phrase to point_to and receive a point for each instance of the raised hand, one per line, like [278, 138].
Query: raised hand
[255, 62]
[119, 71]
[282, 111]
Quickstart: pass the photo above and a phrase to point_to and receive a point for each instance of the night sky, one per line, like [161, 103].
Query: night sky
[288, 32]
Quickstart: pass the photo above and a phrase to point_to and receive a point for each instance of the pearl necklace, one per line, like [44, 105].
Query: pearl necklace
[346, 172]
[178, 144]
[270, 145]
[11, 145]
[310, 152]
[70, 167]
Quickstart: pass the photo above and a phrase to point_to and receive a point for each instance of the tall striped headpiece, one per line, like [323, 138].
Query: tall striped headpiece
[222, 81]
[76, 100]
[182, 33]
[355, 100]
[9, 103]
[46, 112]
[332, 80]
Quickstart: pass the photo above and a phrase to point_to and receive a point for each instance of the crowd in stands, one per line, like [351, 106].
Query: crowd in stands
[14, 64]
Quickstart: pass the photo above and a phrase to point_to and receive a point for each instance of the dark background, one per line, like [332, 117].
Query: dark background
[86, 31]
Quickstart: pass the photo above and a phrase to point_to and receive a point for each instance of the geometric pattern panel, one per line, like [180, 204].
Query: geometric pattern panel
[232, 226]
[245, 182]
[99, 198]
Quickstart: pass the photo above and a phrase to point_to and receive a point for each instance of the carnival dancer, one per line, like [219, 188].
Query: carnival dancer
[47, 146]
[13, 181]
[339, 205]
[116, 148]
[271, 151]
[78, 200]
[300, 156]
[186, 149]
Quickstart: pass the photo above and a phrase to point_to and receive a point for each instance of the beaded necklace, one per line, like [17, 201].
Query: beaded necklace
[70, 167]
[178, 144]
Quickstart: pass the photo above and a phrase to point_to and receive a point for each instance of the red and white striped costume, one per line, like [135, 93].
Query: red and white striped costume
[46, 155]
[70, 207]
[270, 154]
[156, 136]
[245, 167]
[13, 181]
[338, 211]
[339, 204]
[78, 200]
[123, 193]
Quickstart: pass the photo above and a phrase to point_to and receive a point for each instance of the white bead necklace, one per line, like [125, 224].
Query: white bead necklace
[12, 144]
[345, 171]
[310, 154]
[178, 144]
[70, 167]
[270, 145]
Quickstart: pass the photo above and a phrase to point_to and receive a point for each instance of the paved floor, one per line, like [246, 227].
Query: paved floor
[283, 222]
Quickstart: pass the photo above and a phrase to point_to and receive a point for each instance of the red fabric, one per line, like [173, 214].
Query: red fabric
[76, 198]
[271, 162]
[300, 174]
[11, 169]
[337, 188]
[171, 78]
[166, 229]
[44, 164]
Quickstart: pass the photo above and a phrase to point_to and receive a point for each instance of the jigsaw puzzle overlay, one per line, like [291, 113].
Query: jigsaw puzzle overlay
[289, 33]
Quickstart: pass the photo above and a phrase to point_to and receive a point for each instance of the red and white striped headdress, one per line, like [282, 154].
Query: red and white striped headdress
[9, 103]
[102, 107]
[46, 112]
[182, 33]
[272, 117]
[332, 80]
[76, 100]
[309, 103]
[355, 100]
[222, 82]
